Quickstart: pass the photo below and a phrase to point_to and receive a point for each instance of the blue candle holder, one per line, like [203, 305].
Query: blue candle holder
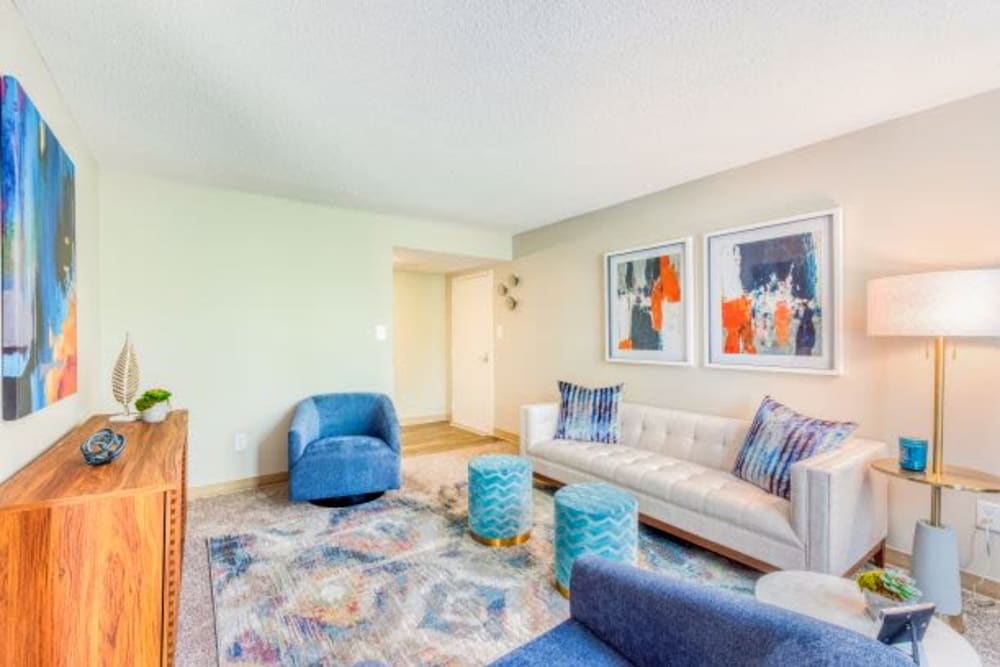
[913, 454]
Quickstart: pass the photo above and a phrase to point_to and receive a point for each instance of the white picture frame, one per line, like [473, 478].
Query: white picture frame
[780, 330]
[677, 349]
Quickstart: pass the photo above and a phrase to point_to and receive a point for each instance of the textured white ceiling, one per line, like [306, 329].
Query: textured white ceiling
[496, 112]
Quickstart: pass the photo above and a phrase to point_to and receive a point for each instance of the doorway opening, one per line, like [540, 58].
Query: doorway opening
[443, 340]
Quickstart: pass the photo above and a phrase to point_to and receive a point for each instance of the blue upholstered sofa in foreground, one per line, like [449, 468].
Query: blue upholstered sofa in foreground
[622, 615]
[343, 448]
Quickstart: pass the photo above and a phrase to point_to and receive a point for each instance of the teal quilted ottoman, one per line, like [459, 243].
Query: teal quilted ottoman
[594, 518]
[500, 500]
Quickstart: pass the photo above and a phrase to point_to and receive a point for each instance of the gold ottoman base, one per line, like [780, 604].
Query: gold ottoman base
[503, 541]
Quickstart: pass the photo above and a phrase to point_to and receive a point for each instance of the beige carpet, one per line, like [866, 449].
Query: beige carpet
[269, 506]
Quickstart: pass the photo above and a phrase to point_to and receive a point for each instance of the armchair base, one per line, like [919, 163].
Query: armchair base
[347, 501]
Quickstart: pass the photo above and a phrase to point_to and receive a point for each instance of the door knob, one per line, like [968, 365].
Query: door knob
[485, 358]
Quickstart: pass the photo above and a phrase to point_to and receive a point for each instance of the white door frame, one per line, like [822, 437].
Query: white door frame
[490, 351]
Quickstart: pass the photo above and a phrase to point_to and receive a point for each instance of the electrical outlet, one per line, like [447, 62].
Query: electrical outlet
[987, 514]
[240, 442]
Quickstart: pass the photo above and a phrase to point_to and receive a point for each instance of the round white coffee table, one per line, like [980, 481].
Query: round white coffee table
[838, 601]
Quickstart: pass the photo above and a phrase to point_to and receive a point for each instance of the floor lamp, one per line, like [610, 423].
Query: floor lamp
[938, 305]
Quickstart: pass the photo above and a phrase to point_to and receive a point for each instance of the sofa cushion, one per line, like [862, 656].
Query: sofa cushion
[688, 485]
[589, 415]
[706, 439]
[569, 643]
[779, 437]
[656, 620]
[343, 466]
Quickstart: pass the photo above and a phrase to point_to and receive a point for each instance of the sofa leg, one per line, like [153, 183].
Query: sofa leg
[347, 501]
[879, 556]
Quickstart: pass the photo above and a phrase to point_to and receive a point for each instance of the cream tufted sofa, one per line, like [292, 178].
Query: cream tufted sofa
[678, 465]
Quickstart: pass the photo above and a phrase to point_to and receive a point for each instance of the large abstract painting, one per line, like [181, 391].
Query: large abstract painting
[649, 304]
[773, 296]
[38, 274]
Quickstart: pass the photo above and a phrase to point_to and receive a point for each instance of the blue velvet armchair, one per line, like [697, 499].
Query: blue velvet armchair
[343, 446]
[621, 615]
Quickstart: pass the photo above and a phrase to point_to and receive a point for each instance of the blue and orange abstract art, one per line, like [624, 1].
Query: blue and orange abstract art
[771, 294]
[648, 305]
[38, 273]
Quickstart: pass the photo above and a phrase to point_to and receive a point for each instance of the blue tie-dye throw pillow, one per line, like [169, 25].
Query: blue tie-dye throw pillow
[588, 415]
[780, 436]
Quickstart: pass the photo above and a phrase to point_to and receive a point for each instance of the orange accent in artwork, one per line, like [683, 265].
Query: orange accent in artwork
[656, 304]
[625, 344]
[782, 322]
[737, 322]
[671, 282]
[666, 288]
[60, 380]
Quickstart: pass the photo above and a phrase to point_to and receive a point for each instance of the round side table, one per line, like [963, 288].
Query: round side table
[838, 601]
[935, 561]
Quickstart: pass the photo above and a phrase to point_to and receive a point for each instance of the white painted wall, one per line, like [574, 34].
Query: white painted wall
[26, 438]
[918, 193]
[420, 344]
[244, 304]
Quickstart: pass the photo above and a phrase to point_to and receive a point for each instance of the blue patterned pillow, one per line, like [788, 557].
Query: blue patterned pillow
[780, 436]
[588, 415]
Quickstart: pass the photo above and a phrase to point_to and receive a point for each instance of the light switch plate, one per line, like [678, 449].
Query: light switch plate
[380, 333]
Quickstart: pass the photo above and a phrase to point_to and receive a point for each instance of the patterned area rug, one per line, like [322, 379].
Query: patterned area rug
[400, 581]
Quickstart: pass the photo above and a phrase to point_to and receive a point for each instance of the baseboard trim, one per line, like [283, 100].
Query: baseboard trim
[989, 587]
[506, 436]
[223, 488]
[427, 419]
[469, 429]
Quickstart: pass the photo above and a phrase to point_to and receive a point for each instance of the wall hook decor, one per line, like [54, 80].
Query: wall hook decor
[504, 292]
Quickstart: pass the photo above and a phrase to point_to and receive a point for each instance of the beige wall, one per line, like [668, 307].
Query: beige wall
[420, 344]
[917, 193]
[24, 439]
[244, 304]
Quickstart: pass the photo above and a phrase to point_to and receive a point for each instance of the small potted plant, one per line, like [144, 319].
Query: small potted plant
[886, 588]
[154, 405]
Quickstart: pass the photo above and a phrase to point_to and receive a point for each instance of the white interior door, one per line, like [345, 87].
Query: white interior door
[472, 352]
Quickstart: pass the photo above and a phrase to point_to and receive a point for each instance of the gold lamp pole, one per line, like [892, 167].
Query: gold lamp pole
[937, 444]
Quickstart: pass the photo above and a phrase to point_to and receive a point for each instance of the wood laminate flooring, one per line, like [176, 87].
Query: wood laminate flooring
[436, 437]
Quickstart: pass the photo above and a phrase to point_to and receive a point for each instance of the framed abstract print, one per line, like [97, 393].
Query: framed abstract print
[773, 295]
[38, 248]
[648, 304]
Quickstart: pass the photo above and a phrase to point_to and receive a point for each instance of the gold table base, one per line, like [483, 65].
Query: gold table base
[562, 589]
[501, 541]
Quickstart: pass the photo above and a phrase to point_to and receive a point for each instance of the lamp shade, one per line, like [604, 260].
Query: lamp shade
[940, 303]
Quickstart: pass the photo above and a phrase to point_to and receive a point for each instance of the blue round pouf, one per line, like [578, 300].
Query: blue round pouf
[500, 500]
[594, 518]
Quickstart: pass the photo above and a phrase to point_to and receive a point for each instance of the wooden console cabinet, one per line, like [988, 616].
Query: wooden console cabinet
[90, 557]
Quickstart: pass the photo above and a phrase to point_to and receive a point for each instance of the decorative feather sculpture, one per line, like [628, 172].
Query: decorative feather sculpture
[125, 381]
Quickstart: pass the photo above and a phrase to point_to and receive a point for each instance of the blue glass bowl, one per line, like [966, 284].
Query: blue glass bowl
[103, 447]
